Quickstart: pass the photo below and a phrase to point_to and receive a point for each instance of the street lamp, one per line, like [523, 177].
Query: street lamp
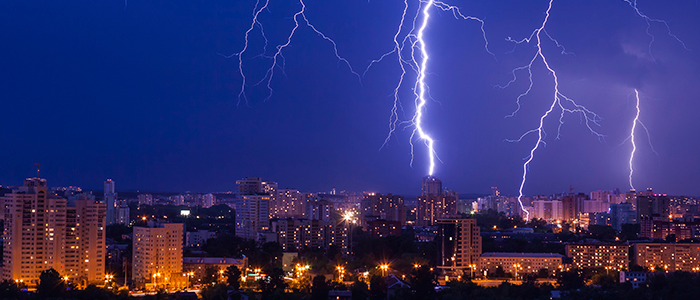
[384, 268]
[155, 281]
[341, 273]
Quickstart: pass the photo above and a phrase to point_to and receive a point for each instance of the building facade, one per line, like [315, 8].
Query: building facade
[669, 257]
[599, 255]
[434, 202]
[521, 263]
[43, 231]
[459, 244]
[157, 255]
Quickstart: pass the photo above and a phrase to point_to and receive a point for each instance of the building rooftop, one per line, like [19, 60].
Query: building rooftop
[519, 254]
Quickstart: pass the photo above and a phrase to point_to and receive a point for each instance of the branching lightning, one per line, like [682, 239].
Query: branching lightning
[277, 59]
[411, 52]
[558, 102]
[648, 20]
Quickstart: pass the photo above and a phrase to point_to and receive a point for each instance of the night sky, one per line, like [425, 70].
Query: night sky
[139, 93]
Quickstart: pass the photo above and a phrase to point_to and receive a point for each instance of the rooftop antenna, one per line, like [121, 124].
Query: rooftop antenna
[38, 166]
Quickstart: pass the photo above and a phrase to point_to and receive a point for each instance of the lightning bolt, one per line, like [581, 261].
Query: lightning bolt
[411, 52]
[648, 20]
[632, 137]
[277, 59]
[634, 145]
[558, 101]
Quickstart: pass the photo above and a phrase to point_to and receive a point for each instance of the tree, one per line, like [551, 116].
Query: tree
[360, 290]
[423, 283]
[51, 285]
[629, 231]
[571, 280]
[215, 292]
[233, 277]
[500, 273]
[671, 238]
[9, 290]
[319, 288]
[377, 288]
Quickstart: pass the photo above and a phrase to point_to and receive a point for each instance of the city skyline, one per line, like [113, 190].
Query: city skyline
[139, 94]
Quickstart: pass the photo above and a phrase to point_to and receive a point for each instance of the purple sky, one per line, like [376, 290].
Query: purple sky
[93, 90]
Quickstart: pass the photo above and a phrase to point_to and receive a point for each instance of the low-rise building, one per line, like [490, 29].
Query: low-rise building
[195, 268]
[599, 255]
[521, 263]
[667, 257]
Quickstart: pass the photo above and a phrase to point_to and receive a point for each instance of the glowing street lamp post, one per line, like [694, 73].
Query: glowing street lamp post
[384, 268]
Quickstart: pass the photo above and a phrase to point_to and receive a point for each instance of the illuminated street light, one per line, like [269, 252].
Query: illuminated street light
[384, 268]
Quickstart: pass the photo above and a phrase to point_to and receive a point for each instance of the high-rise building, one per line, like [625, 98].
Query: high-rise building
[85, 240]
[110, 198]
[123, 213]
[622, 213]
[252, 215]
[459, 245]
[157, 255]
[290, 203]
[256, 186]
[548, 210]
[208, 200]
[319, 210]
[43, 231]
[435, 203]
[650, 205]
[431, 186]
[572, 206]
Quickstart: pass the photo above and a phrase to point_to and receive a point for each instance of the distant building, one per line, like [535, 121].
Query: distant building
[208, 200]
[43, 231]
[548, 210]
[110, 197]
[145, 199]
[459, 244]
[572, 206]
[599, 255]
[157, 255]
[669, 257]
[179, 200]
[123, 213]
[522, 263]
